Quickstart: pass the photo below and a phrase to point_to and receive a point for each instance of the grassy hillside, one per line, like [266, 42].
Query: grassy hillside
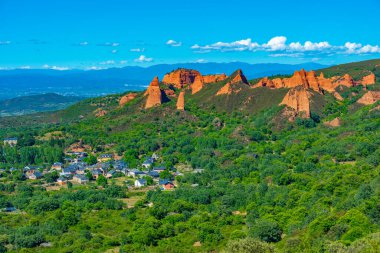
[356, 69]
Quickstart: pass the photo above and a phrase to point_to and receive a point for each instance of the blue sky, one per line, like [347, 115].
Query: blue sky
[94, 34]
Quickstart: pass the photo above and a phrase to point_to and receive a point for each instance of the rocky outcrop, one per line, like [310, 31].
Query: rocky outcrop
[313, 82]
[298, 79]
[197, 84]
[214, 78]
[181, 101]
[154, 94]
[346, 80]
[278, 83]
[181, 77]
[333, 123]
[369, 79]
[325, 83]
[308, 80]
[369, 98]
[238, 77]
[100, 112]
[298, 99]
[337, 96]
[125, 99]
[265, 82]
[225, 90]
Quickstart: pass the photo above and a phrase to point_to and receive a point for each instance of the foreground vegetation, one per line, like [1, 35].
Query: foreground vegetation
[266, 185]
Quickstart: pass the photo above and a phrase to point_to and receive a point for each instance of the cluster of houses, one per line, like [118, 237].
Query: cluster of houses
[75, 169]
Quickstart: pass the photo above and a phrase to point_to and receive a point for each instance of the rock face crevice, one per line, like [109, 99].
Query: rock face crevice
[154, 94]
[297, 98]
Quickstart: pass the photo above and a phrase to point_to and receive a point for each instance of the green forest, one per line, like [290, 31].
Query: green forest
[262, 183]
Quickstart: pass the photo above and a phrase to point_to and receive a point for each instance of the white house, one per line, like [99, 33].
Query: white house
[140, 183]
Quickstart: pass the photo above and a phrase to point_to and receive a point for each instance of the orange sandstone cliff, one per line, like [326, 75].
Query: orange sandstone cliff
[236, 78]
[298, 99]
[197, 85]
[369, 79]
[369, 98]
[154, 94]
[214, 78]
[125, 99]
[181, 77]
[181, 101]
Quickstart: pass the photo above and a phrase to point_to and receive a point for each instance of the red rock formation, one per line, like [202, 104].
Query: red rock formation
[181, 101]
[346, 80]
[298, 79]
[333, 123]
[226, 89]
[125, 99]
[369, 98]
[312, 80]
[337, 96]
[169, 92]
[214, 78]
[369, 79]
[278, 83]
[239, 77]
[181, 77]
[100, 112]
[154, 94]
[265, 82]
[197, 84]
[325, 83]
[298, 99]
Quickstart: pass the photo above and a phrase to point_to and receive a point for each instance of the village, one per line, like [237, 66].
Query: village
[76, 171]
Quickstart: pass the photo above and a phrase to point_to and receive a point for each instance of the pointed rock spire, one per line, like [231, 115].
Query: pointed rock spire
[154, 94]
[181, 101]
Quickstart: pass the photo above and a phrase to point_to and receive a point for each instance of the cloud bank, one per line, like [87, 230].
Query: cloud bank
[279, 47]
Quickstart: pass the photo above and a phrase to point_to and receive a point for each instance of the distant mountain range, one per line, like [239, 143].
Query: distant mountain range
[90, 83]
[36, 103]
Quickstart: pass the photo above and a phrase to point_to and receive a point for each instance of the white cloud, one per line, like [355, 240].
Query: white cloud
[174, 43]
[143, 58]
[200, 61]
[137, 49]
[25, 67]
[280, 48]
[276, 43]
[46, 66]
[84, 43]
[358, 48]
[114, 51]
[94, 68]
[110, 44]
[240, 45]
[109, 62]
[293, 55]
[123, 61]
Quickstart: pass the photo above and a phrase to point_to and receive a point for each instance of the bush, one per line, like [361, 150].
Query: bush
[266, 230]
[248, 245]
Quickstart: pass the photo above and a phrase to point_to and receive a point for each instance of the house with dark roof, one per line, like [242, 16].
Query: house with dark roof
[81, 179]
[154, 174]
[140, 183]
[35, 175]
